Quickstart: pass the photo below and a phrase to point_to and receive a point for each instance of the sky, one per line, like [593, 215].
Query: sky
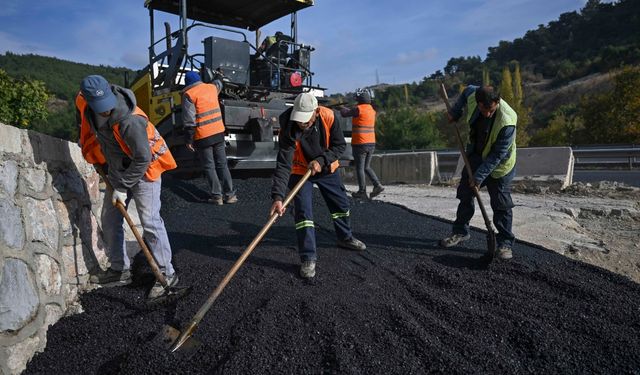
[357, 42]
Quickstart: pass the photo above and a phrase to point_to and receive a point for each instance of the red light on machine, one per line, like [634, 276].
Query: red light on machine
[295, 79]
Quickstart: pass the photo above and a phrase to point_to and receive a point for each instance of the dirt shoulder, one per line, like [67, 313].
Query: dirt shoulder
[598, 224]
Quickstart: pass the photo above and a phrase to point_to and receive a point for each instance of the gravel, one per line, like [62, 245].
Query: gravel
[402, 306]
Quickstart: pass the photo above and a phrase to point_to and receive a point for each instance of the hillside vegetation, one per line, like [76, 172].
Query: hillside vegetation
[554, 73]
[61, 80]
[553, 76]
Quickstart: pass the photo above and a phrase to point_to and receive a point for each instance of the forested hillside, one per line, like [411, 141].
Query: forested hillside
[61, 79]
[585, 50]
[553, 76]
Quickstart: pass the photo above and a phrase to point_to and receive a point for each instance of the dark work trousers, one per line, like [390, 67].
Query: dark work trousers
[362, 155]
[500, 194]
[214, 162]
[335, 195]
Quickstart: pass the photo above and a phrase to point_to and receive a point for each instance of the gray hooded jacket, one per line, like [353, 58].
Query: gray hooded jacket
[124, 171]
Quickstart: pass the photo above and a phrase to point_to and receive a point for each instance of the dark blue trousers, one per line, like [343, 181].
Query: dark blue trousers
[335, 195]
[500, 195]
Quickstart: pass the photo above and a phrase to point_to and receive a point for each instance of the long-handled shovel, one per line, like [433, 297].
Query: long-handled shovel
[491, 234]
[171, 293]
[193, 324]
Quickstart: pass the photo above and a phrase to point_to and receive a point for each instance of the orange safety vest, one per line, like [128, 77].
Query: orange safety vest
[300, 164]
[363, 129]
[161, 158]
[89, 145]
[208, 116]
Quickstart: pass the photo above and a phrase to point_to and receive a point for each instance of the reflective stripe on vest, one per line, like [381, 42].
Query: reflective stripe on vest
[363, 129]
[300, 163]
[89, 145]
[161, 158]
[505, 116]
[208, 115]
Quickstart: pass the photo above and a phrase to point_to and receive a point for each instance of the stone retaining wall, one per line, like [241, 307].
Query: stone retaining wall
[49, 238]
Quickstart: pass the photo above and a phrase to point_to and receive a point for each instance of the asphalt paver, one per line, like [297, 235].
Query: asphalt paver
[403, 306]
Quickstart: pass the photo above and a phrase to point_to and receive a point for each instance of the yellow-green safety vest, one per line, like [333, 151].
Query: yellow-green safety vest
[505, 116]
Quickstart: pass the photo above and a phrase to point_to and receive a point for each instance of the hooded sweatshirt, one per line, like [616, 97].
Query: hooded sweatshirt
[124, 171]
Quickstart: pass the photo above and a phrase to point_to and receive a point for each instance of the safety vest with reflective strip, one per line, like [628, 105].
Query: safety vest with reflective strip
[505, 116]
[300, 163]
[89, 145]
[363, 129]
[208, 116]
[161, 158]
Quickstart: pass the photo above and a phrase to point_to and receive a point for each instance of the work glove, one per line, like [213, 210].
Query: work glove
[118, 195]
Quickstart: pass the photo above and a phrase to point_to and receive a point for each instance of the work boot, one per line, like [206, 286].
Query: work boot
[359, 195]
[454, 239]
[231, 200]
[157, 290]
[308, 269]
[215, 200]
[376, 191]
[352, 244]
[504, 252]
[111, 277]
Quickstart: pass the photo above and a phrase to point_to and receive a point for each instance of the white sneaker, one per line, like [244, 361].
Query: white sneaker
[157, 290]
[454, 239]
[308, 269]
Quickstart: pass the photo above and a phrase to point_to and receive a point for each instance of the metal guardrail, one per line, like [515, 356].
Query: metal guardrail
[607, 156]
[600, 156]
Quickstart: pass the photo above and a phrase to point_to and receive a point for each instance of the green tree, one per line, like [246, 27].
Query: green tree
[506, 86]
[486, 80]
[406, 128]
[563, 129]
[613, 117]
[517, 85]
[22, 101]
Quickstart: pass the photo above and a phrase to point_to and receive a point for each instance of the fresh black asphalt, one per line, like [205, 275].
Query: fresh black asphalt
[403, 306]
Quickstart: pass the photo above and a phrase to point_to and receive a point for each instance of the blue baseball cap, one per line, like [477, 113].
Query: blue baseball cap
[97, 92]
[191, 77]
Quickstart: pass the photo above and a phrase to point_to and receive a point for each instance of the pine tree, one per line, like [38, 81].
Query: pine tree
[524, 114]
[486, 81]
[506, 86]
[517, 85]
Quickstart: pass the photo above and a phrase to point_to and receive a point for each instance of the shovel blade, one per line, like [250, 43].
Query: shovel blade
[491, 246]
[170, 335]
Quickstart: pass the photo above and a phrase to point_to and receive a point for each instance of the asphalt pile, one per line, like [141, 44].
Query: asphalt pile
[402, 306]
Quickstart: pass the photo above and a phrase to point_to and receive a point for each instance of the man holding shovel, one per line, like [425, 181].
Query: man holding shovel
[311, 139]
[492, 155]
[115, 133]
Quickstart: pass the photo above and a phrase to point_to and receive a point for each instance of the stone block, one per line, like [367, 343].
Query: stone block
[48, 274]
[11, 229]
[41, 222]
[18, 355]
[18, 296]
[70, 185]
[10, 139]
[52, 313]
[73, 262]
[8, 178]
[33, 180]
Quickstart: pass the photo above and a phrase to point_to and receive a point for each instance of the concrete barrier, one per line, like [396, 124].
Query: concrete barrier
[405, 168]
[551, 166]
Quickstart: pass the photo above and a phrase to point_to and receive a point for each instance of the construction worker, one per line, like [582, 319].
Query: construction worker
[492, 155]
[312, 139]
[117, 136]
[363, 143]
[202, 121]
